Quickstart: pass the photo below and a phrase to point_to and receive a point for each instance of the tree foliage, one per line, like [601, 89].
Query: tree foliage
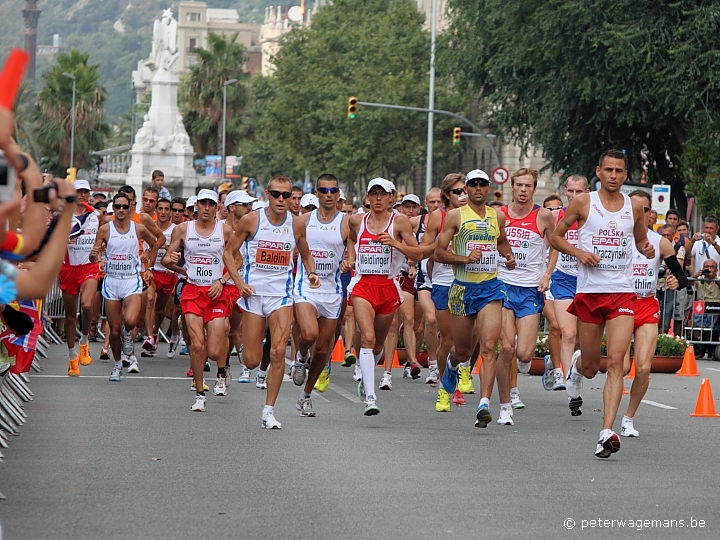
[52, 117]
[201, 94]
[580, 76]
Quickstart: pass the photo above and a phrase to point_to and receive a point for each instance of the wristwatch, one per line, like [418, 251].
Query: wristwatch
[222, 281]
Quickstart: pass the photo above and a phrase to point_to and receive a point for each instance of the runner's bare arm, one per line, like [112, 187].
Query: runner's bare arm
[152, 240]
[427, 242]
[243, 230]
[345, 228]
[353, 227]
[100, 240]
[404, 241]
[546, 226]
[503, 246]
[576, 211]
[172, 255]
[450, 227]
[299, 226]
[642, 244]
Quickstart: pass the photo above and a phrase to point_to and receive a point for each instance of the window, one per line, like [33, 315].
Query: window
[193, 17]
[192, 44]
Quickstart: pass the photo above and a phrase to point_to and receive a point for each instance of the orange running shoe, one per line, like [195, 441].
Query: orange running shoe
[74, 367]
[85, 358]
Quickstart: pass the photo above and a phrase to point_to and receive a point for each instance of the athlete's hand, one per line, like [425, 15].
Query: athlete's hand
[387, 240]
[649, 250]
[412, 272]
[148, 277]
[246, 290]
[346, 265]
[314, 280]
[671, 282]
[145, 258]
[589, 259]
[510, 262]
[544, 284]
[174, 256]
[474, 256]
[216, 290]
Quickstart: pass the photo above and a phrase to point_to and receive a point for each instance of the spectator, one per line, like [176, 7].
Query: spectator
[652, 220]
[705, 326]
[706, 245]
[158, 179]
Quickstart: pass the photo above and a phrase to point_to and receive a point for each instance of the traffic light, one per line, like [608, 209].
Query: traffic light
[245, 182]
[399, 196]
[352, 107]
[456, 136]
[71, 174]
[498, 195]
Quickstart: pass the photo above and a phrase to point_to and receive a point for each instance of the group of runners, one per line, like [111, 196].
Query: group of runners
[467, 276]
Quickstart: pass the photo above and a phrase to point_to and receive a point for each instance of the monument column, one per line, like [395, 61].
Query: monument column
[31, 15]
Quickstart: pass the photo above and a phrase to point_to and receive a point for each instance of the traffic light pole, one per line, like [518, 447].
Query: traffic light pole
[477, 131]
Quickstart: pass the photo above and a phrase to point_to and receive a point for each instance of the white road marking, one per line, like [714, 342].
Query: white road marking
[660, 405]
[344, 393]
[106, 376]
[712, 369]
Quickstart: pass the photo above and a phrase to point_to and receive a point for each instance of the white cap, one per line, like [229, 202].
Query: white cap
[342, 195]
[387, 185]
[109, 209]
[411, 197]
[206, 194]
[257, 205]
[81, 184]
[238, 196]
[309, 199]
[191, 201]
[477, 174]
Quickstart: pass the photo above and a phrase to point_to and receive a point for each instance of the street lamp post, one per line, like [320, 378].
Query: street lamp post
[224, 87]
[72, 127]
[431, 100]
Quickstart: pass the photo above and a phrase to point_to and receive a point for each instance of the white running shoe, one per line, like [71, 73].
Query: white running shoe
[134, 368]
[609, 443]
[371, 408]
[244, 375]
[559, 383]
[269, 422]
[406, 372]
[628, 430]
[199, 405]
[125, 359]
[574, 379]
[523, 367]
[548, 376]
[220, 388]
[128, 345]
[115, 375]
[433, 375]
[172, 349]
[386, 382]
[304, 405]
[298, 369]
[505, 418]
[515, 400]
[260, 381]
[357, 376]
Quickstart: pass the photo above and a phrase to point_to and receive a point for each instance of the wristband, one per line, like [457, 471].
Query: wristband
[312, 274]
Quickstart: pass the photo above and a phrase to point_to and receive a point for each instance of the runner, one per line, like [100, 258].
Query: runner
[268, 238]
[78, 278]
[374, 291]
[608, 223]
[527, 226]
[122, 285]
[203, 301]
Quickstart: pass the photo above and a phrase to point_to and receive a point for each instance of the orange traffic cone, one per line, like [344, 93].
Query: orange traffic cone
[477, 365]
[396, 361]
[631, 373]
[689, 366]
[338, 352]
[624, 391]
[705, 406]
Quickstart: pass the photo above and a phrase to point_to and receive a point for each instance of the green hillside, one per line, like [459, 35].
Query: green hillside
[88, 26]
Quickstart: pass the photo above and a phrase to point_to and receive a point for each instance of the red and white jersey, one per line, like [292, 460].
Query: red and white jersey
[442, 273]
[78, 253]
[158, 267]
[203, 255]
[372, 257]
[645, 271]
[567, 264]
[609, 235]
[268, 257]
[528, 247]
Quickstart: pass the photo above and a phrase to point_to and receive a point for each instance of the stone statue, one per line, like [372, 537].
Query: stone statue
[145, 136]
[164, 46]
[179, 136]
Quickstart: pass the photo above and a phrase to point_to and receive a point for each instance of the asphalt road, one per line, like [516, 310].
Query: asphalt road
[130, 460]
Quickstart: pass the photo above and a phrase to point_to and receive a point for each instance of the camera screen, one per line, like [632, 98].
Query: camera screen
[3, 173]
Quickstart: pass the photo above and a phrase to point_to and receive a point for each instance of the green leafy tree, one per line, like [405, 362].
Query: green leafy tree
[53, 113]
[632, 75]
[201, 94]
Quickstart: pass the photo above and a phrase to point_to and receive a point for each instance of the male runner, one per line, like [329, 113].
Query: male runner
[475, 300]
[608, 223]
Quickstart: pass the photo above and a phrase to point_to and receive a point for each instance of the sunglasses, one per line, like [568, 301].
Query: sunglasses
[551, 208]
[646, 209]
[326, 190]
[178, 210]
[121, 206]
[149, 199]
[458, 191]
[275, 194]
[475, 182]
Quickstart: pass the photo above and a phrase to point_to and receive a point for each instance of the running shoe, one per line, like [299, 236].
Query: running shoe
[574, 379]
[524, 367]
[357, 376]
[298, 370]
[149, 344]
[415, 370]
[269, 422]
[147, 354]
[443, 401]
[125, 359]
[323, 380]
[515, 400]
[205, 386]
[465, 382]
[548, 376]
[115, 375]
[207, 366]
[458, 398]
[433, 375]
[304, 405]
[172, 349]
[260, 381]
[244, 375]
[220, 388]
[505, 418]
[128, 346]
[134, 368]
[386, 382]
[190, 373]
[628, 429]
[483, 416]
[199, 405]
[361, 391]
[74, 367]
[85, 358]
[349, 359]
[575, 404]
[609, 443]
[184, 351]
[559, 383]
[406, 371]
[104, 354]
[371, 408]
[450, 378]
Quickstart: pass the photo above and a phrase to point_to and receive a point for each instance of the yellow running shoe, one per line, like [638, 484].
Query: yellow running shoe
[206, 388]
[323, 381]
[74, 367]
[465, 382]
[443, 401]
[85, 358]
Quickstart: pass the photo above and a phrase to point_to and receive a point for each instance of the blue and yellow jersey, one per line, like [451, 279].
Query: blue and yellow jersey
[477, 233]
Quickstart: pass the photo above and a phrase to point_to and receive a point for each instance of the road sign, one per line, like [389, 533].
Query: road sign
[252, 184]
[500, 175]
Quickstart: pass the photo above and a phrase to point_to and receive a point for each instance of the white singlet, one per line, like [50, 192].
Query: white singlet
[122, 253]
[158, 267]
[442, 273]
[610, 236]
[203, 255]
[268, 257]
[372, 257]
[645, 271]
[78, 253]
[328, 249]
[528, 247]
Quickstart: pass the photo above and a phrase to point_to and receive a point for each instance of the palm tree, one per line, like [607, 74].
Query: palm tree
[201, 95]
[53, 112]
